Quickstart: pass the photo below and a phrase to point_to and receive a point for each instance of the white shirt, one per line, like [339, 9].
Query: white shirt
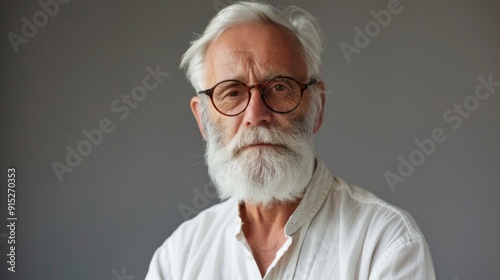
[338, 231]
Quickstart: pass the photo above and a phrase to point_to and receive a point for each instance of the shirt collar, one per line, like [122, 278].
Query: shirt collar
[314, 196]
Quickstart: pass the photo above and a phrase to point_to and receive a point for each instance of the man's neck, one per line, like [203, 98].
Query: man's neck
[264, 229]
[271, 217]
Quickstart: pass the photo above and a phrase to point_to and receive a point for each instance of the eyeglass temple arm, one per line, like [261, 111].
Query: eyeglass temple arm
[312, 82]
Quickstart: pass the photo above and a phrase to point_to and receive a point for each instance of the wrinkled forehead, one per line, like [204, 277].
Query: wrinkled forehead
[254, 52]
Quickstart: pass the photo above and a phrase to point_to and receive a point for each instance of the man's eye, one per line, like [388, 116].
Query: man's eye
[231, 94]
[279, 87]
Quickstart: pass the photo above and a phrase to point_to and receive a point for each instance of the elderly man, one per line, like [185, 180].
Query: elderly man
[285, 216]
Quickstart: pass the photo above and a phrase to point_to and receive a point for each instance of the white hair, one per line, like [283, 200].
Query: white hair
[301, 23]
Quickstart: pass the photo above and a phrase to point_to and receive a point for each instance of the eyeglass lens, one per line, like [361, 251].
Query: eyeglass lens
[281, 95]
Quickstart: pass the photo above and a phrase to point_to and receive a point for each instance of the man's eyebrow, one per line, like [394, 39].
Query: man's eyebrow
[273, 75]
[266, 77]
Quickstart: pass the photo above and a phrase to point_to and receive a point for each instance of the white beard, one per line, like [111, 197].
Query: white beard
[263, 175]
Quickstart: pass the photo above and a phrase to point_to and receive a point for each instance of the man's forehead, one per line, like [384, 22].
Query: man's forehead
[266, 49]
[236, 64]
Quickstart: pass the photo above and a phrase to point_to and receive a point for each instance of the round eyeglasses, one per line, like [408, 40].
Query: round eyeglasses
[281, 95]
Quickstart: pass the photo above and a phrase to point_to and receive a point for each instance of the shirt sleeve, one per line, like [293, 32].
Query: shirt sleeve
[159, 268]
[406, 259]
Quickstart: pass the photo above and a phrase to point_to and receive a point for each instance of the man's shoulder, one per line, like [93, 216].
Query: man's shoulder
[360, 205]
[194, 238]
[372, 232]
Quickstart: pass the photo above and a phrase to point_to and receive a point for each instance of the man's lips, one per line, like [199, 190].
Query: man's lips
[261, 145]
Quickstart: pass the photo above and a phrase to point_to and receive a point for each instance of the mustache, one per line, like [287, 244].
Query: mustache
[259, 135]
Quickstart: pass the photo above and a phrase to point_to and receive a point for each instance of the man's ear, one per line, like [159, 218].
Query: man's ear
[319, 119]
[195, 107]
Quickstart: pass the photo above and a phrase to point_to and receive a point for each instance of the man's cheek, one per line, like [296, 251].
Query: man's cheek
[228, 128]
[219, 133]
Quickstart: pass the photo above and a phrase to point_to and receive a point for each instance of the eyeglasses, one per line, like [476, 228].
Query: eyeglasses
[281, 95]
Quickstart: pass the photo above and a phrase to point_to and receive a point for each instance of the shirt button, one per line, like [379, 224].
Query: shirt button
[249, 257]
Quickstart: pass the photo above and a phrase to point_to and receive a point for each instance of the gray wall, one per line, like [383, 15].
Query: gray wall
[118, 204]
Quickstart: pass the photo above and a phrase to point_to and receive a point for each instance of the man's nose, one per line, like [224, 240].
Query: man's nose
[257, 113]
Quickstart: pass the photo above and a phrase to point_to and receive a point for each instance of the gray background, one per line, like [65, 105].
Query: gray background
[106, 218]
